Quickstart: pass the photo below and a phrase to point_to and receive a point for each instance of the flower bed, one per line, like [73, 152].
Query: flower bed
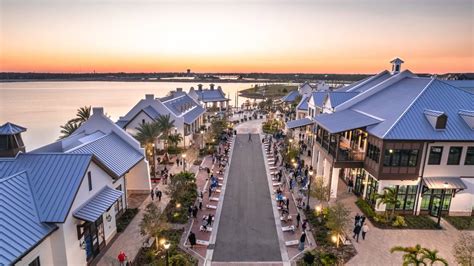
[399, 222]
[183, 193]
[461, 222]
[125, 219]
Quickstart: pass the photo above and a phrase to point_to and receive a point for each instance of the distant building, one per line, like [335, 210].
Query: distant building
[210, 98]
[11, 142]
[61, 202]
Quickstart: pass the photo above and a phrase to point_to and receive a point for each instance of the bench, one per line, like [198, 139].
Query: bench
[218, 191]
[344, 240]
[219, 184]
[276, 184]
[202, 242]
[288, 228]
[214, 199]
[208, 229]
[209, 206]
[292, 243]
[288, 218]
[220, 178]
[204, 217]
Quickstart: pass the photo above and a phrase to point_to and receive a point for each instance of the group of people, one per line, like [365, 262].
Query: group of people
[359, 227]
[156, 193]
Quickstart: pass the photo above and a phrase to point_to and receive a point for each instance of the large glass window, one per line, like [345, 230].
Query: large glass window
[406, 197]
[469, 156]
[436, 153]
[400, 158]
[454, 156]
[428, 201]
[372, 188]
[373, 152]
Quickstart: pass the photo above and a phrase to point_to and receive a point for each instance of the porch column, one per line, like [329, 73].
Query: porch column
[364, 183]
[334, 182]
[319, 164]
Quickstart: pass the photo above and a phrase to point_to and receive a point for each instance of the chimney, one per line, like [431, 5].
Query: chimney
[396, 65]
[211, 86]
[219, 88]
[149, 96]
[97, 110]
[179, 89]
[200, 87]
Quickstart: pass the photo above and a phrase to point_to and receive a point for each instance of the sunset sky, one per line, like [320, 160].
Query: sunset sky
[317, 36]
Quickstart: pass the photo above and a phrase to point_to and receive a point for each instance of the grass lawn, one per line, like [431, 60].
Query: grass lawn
[461, 222]
[271, 91]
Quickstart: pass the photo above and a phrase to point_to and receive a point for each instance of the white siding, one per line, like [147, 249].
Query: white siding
[43, 250]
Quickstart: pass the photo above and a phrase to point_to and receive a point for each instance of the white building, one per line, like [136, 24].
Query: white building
[212, 98]
[186, 113]
[60, 203]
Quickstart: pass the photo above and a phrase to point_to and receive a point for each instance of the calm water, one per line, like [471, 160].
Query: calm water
[43, 106]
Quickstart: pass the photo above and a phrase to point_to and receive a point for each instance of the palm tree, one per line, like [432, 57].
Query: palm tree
[389, 198]
[147, 135]
[174, 139]
[432, 256]
[412, 255]
[68, 129]
[165, 124]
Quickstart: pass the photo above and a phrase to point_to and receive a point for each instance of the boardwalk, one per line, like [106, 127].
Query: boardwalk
[247, 226]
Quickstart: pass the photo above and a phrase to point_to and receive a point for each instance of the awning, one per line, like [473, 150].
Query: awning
[444, 183]
[299, 123]
[97, 205]
[344, 120]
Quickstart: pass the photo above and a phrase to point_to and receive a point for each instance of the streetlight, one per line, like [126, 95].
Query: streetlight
[309, 189]
[167, 246]
[440, 208]
[184, 161]
[154, 160]
[202, 139]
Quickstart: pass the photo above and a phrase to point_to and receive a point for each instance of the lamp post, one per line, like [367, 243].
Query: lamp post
[154, 160]
[167, 246]
[184, 161]
[202, 139]
[440, 208]
[309, 188]
[291, 141]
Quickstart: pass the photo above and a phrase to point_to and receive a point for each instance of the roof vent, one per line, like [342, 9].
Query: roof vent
[396, 65]
[179, 89]
[211, 86]
[98, 110]
[437, 119]
[200, 87]
[149, 96]
[468, 117]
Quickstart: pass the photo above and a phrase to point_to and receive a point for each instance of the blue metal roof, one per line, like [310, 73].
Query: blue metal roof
[318, 98]
[180, 104]
[299, 123]
[11, 129]
[337, 98]
[344, 120]
[98, 204]
[193, 114]
[20, 226]
[291, 96]
[150, 111]
[370, 82]
[303, 105]
[111, 150]
[208, 95]
[467, 85]
[54, 180]
[441, 97]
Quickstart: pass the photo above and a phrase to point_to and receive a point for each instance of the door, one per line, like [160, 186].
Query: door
[435, 204]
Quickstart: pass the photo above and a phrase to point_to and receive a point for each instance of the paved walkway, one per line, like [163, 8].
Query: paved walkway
[247, 227]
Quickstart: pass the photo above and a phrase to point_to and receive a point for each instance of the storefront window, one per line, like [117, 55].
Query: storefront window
[406, 196]
[372, 188]
[400, 158]
[432, 197]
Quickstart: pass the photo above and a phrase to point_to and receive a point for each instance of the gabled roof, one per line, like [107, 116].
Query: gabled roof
[191, 115]
[303, 105]
[367, 83]
[318, 97]
[54, 178]
[336, 97]
[181, 104]
[208, 95]
[299, 123]
[468, 116]
[11, 129]
[116, 154]
[91, 210]
[290, 97]
[149, 106]
[21, 228]
[344, 120]
[467, 85]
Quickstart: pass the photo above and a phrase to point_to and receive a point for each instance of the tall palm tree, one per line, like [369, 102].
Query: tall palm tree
[147, 135]
[165, 124]
[412, 255]
[174, 139]
[432, 256]
[82, 114]
[389, 198]
[68, 129]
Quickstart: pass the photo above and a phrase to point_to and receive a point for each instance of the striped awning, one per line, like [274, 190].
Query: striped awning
[444, 183]
[97, 205]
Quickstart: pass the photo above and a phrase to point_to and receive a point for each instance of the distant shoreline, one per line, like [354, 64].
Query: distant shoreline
[140, 80]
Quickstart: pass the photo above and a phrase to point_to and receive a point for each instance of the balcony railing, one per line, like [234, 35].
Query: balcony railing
[349, 155]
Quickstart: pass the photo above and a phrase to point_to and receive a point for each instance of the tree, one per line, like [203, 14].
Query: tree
[319, 190]
[179, 181]
[412, 256]
[389, 198]
[432, 256]
[463, 250]
[153, 223]
[82, 114]
[180, 260]
[147, 133]
[165, 124]
[174, 139]
[338, 220]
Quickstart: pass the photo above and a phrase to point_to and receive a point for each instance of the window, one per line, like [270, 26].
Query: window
[89, 180]
[401, 158]
[454, 156]
[373, 152]
[436, 153]
[35, 262]
[119, 203]
[143, 121]
[469, 156]
[406, 197]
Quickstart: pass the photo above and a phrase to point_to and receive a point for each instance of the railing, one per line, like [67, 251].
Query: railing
[349, 155]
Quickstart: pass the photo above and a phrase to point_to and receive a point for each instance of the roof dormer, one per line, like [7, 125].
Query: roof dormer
[437, 119]
[468, 117]
[396, 65]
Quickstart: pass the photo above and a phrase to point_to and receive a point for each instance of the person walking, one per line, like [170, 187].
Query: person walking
[356, 219]
[122, 258]
[302, 240]
[365, 229]
[298, 219]
[192, 239]
[152, 194]
[304, 225]
[250, 137]
[158, 194]
[195, 212]
[209, 219]
[288, 204]
[356, 232]
[190, 211]
[350, 185]
[200, 203]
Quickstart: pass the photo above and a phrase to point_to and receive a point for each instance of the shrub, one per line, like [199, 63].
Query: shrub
[197, 162]
[327, 258]
[125, 219]
[365, 208]
[180, 260]
[308, 258]
[399, 221]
